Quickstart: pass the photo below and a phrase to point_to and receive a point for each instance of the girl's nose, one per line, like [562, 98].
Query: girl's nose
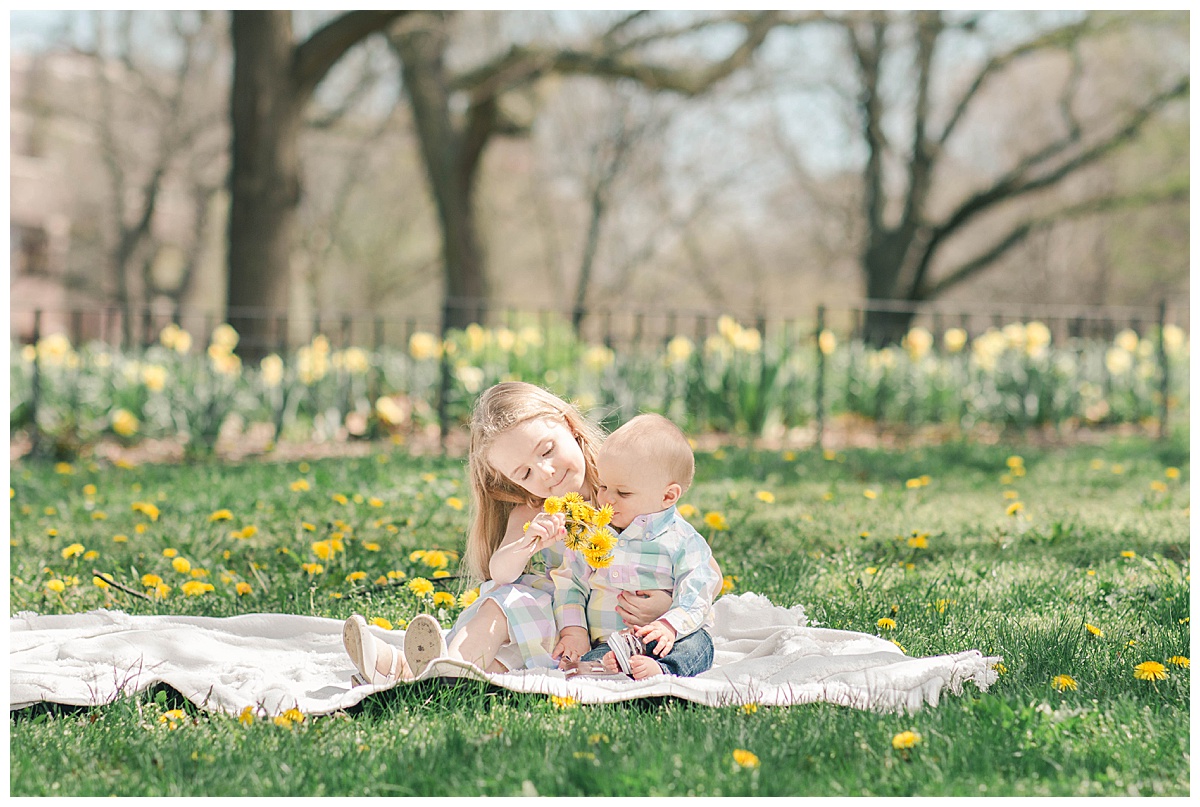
[547, 467]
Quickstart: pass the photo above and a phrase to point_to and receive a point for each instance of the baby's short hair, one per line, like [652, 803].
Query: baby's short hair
[655, 439]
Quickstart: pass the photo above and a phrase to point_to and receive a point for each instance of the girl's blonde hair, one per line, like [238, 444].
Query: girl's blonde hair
[493, 496]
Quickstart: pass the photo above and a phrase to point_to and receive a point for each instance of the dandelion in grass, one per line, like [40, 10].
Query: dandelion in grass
[440, 574]
[1092, 629]
[1117, 469]
[1014, 508]
[454, 503]
[1172, 473]
[147, 509]
[913, 483]
[99, 515]
[435, 559]
[870, 494]
[340, 498]
[397, 574]
[1180, 661]
[282, 721]
[1000, 668]
[151, 580]
[64, 468]
[919, 541]
[1150, 671]
[765, 496]
[749, 708]
[1128, 554]
[246, 717]
[443, 599]
[248, 531]
[100, 583]
[56, 585]
[322, 549]
[716, 521]
[380, 622]
[1158, 486]
[745, 759]
[171, 716]
[886, 623]
[871, 570]
[563, 702]
[72, 551]
[728, 582]
[243, 589]
[905, 740]
[220, 515]
[420, 586]
[354, 577]
[313, 569]
[1064, 682]
[304, 525]
[194, 588]
[375, 501]
[181, 565]
[301, 485]
[162, 591]
[467, 597]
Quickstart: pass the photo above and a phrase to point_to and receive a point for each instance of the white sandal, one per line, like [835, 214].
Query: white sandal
[363, 649]
[423, 643]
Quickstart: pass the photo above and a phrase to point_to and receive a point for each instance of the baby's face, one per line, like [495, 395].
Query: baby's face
[542, 456]
[632, 487]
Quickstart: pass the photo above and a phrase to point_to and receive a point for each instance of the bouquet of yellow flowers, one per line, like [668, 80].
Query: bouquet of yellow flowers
[587, 527]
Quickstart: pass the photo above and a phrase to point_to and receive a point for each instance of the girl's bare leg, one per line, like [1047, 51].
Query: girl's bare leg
[479, 640]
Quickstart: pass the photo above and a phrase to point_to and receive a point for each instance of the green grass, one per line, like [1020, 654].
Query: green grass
[1020, 586]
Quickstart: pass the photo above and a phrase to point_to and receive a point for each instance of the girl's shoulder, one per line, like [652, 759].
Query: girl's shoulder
[522, 513]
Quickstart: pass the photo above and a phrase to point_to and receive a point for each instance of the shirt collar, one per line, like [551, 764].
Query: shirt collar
[650, 526]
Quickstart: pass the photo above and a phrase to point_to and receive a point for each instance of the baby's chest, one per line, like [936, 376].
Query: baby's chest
[638, 568]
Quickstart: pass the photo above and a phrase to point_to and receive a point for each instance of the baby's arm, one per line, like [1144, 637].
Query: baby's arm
[697, 583]
[519, 545]
[571, 591]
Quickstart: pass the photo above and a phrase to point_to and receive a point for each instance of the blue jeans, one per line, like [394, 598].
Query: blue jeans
[690, 655]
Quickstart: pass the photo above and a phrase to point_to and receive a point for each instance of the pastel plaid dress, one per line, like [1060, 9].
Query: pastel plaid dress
[528, 605]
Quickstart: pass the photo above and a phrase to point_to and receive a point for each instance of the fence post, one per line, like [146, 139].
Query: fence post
[444, 377]
[1165, 381]
[35, 387]
[820, 378]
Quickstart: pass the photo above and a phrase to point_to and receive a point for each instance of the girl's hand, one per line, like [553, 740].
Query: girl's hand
[573, 642]
[639, 608]
[544, 530]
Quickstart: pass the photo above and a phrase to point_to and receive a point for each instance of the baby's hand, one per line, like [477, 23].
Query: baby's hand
[544, 530]
[659, 632]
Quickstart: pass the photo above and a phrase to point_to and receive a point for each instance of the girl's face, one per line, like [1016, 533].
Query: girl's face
[541, 456]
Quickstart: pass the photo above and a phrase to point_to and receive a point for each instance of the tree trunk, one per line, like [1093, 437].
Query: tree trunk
[264, 175]
[882, 263]
[451, 160]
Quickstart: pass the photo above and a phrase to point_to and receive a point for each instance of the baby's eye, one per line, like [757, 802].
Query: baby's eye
[623, 493]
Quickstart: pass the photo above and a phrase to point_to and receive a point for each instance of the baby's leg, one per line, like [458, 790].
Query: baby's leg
[479, 639]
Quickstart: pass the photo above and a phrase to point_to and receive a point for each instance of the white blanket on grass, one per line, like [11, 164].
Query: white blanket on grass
[764, 654]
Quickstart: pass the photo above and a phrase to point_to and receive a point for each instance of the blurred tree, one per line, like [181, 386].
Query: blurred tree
[273, 81]
[458, 113]
[907, 226]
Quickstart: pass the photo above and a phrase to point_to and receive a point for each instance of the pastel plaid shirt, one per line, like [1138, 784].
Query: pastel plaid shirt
[656, 551]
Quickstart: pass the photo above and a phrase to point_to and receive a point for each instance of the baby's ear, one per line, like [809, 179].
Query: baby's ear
[674, 491]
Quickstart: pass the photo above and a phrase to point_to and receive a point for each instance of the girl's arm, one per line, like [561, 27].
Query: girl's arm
[519, 545]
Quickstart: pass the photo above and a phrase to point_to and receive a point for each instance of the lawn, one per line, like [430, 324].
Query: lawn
[1073, 564]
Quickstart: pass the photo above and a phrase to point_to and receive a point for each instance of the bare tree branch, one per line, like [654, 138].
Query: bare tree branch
[315, 56]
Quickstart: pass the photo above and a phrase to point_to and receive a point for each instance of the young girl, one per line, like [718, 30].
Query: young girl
[526, 444]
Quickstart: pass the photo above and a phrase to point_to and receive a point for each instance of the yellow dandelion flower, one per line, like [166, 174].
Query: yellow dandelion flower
[915, 482]
[147, 509]
[99, 515]
[1000, 668]
[220, 515]
[313, 569]
[340, 498]
[64, 468]
[749, 708]
[56, 585]
[871, 570]
[1014, 508]
[686, 510]
[1128, 554]
[454, 503]
[1180, 661]
[1015, 462]
[91, 554]
[194, 588]
[243, 589]
[1092, 629]
[886, 623]
[765, 496]
[396, 574]
[870, 494]
[375, 501]
[170, 716]
[563, 703]
[371, 546]
[151, 580]
[247, 716]
[161, 591]
[467, 597]
[322, 549]
[1172, 473]
[443, 599]
[1117, 468]
[744, 759]
[72, 551]
[355, 576]
[181, 565]
[1150, 671]
[380, 622]
[553, 505]
[420, 586]
[919, 541]
[924, 479]
[605, 514]
[140, 529]
[438, 574]
[1064, 682]
[436, 559]
[281, 721]
[381, 580]
[716, 521]
[1158, 486]
[727, 583]
[905, 739]
[413, 557]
